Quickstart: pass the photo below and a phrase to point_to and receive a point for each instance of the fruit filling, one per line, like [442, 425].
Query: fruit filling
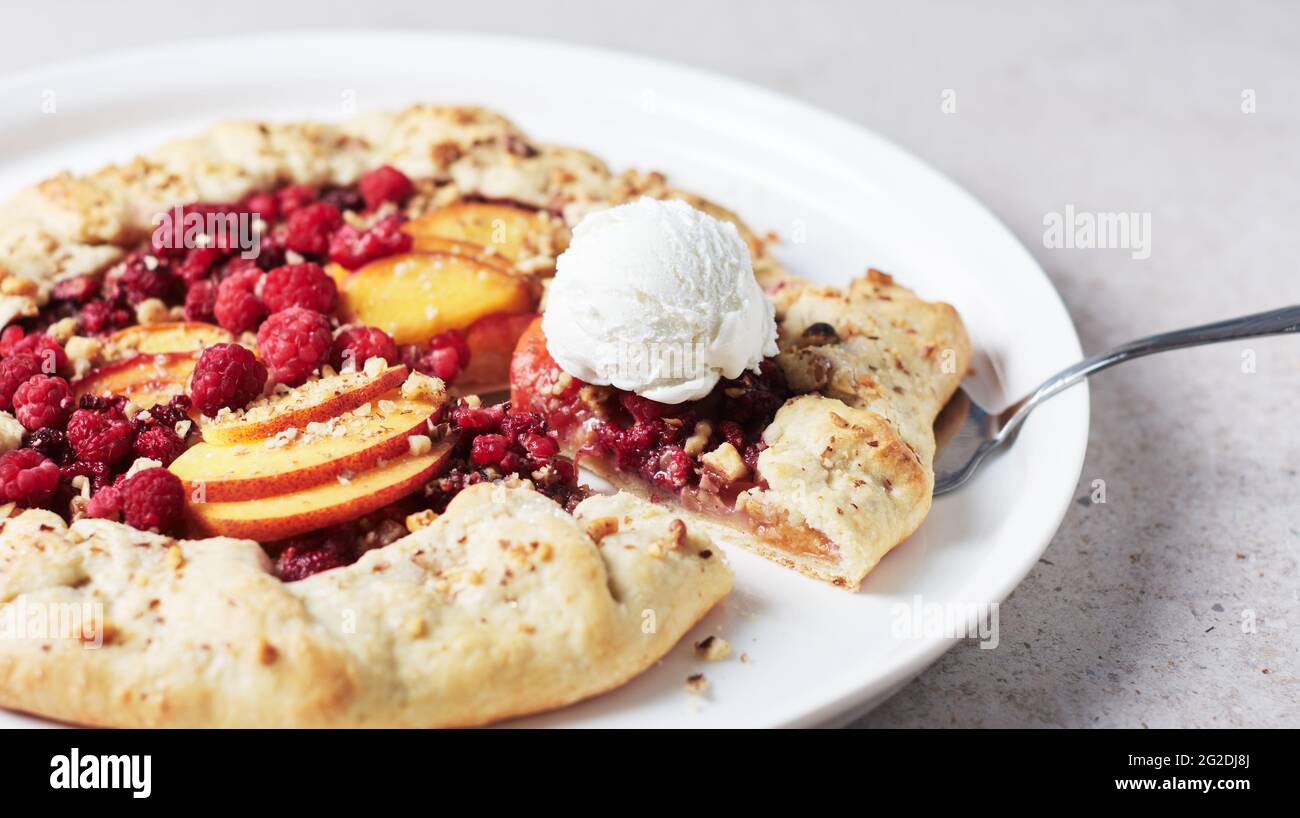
[212, 342]
[698, 450]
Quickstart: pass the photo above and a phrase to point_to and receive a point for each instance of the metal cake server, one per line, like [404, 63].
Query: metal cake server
[967, 433]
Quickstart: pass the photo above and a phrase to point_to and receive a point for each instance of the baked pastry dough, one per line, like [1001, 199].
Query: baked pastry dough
[505, 605]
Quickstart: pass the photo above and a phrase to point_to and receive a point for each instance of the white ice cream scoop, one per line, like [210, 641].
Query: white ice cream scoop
[657, 298]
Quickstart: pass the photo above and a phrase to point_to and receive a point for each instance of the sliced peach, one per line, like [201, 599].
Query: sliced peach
[347, 444]
[492, 340]
[415, 296]
[456, 247]
[177, 336]
[335, 501]
[500, 227]
[317, 400]
[145, 380]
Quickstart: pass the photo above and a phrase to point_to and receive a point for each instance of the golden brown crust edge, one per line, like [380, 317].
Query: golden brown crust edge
[504, 606]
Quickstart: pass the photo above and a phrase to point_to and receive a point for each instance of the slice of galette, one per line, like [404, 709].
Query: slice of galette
[821, 461]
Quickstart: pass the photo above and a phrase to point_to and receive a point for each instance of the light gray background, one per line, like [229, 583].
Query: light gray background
[1135, 616]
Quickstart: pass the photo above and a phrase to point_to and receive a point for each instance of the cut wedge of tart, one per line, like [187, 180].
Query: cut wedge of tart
[822, 461]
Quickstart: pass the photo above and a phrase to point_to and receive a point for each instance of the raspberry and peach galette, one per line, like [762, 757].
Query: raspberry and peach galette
[247, 417]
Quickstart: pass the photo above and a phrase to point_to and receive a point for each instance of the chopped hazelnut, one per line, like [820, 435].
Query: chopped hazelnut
[725, 460]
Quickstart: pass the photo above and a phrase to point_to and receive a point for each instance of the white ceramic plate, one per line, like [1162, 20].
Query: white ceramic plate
[841, 199]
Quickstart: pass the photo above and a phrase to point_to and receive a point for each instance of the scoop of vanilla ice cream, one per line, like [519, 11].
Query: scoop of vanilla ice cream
[657, 298]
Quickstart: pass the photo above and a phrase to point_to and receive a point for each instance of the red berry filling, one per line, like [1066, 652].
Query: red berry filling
[227, 376]
[27, 478]
[295, 344]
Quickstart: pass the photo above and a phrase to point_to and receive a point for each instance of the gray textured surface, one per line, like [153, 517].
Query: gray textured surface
[1135, 615]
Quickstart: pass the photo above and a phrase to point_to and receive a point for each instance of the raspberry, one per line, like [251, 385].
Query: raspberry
[353, 248]
[344, 198]
[101, 317]
[357, 345]
[46, 350]
[78, 289]
[201, 300]
[27, 477]
[227, 376]
[539, 447]
[198, 264]
[294, 343]
[105, 504]
[478, 419]
[99, 474]
[385, 184]
[488, 449]
[159, 443]
[265, 205]
[16, 370]
[238, 308]
[53, 443]
[299, 285]
[42, 401]
[294, 197]
[454, 340]
[11, 335]
[101, 437]
[308, 228]
[310, 555]
[141, 279]
[153, 498]
[171, 413]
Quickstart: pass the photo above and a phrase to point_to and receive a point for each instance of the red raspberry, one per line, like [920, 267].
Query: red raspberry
[295, 343]
[488, 449]
[238, 308]
[308, 229]
[11, 335]
[303, 557]
[105, 504]
[453, 339]
[294, 197]
[27, 477]
[299, 285]
[385, 184]
[226, 376]
[539, 447]
[99, 474]
[447, 355]
[16, 370]
[101, 318]
[201, 300]
[42, 401]
[159, 443]
[353, 248]
[101, 437]
[78, 289]
[265, 205]
[198, 264]
[478, 418]
[153, 498]
[46, 350]
[141, 279]
[357, 345]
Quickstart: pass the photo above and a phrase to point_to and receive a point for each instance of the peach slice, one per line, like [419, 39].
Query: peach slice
[500, 227]
[415, 296]
[335, 501]
[492, 340]
[317, 400]
[177, 336]
[294, 460]
[145, 380]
